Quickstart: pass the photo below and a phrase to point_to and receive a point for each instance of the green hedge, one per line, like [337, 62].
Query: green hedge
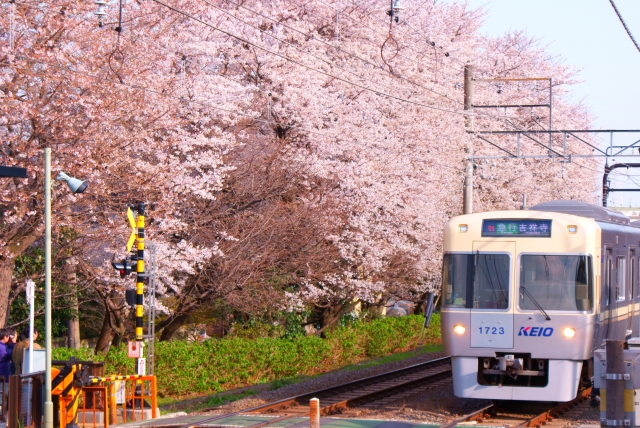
[185, 368]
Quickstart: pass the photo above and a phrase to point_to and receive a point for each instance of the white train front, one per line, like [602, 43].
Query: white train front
[529, 295]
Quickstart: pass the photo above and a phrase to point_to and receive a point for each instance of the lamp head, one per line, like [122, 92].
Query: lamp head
[397, 5]
[75, 185]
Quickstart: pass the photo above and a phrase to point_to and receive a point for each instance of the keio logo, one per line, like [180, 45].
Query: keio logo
[535, 331]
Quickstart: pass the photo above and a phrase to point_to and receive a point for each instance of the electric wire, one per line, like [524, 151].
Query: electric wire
[328, 62]
[338, 48]
[361, 24]
[399, 29]
[310, 68]
[624, 24]
[179, 11]
[242, 39]
[257, 119]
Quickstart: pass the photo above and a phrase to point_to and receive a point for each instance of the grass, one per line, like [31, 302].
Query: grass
[170, 405]
[394, 357]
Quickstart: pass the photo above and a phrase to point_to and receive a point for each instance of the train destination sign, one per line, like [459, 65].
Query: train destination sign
[517, 227]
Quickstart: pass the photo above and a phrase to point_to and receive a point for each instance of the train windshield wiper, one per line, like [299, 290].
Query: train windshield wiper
[535, 302]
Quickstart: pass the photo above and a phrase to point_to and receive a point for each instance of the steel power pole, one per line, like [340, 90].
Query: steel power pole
[467, 204]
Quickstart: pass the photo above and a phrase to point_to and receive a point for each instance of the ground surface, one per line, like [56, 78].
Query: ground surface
[435, 404]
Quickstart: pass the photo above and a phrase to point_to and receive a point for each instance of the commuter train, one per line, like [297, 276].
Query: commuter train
[527, 296]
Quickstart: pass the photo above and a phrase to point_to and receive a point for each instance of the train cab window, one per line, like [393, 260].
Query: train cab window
[556, 282]
[479, 281]
[620, 278]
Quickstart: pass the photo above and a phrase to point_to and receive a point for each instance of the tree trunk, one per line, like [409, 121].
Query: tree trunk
[106, 334]
[173, 326]
[7, 266]
[117, 339]
[330, 316]
[73, 324]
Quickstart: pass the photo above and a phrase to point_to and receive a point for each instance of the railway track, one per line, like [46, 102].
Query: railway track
[370, 391]
[557, 415]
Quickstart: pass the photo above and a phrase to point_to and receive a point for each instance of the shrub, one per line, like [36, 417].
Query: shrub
[185, 368]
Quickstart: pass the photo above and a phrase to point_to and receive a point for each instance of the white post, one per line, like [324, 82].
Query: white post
[30, 289]
[31, 300]
[48, 403]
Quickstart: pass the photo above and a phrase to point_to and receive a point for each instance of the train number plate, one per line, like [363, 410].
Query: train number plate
[491, 330]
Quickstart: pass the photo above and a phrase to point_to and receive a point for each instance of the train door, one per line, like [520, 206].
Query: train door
[492, 310]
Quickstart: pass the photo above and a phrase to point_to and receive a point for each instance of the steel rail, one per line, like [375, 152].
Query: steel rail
[291, 400]
[489, 414]
[477, 415]
[395, 373]
[543, 418]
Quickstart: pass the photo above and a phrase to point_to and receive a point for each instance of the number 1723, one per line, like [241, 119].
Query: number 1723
[491, 330]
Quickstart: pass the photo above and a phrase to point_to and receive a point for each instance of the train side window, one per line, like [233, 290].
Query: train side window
[620, 278]
[607, 281]
[632, 265]
[636, 282]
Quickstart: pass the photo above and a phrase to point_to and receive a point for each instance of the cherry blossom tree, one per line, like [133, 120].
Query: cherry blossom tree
[321, 143]
[115, 112]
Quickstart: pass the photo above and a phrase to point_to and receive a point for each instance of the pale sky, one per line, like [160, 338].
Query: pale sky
[588, 35]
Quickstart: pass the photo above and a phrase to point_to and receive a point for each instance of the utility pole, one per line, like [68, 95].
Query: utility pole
[468, 107]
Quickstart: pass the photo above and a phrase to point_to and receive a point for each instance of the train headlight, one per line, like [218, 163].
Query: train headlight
[568, 332]
[462, 228]
[459, 329]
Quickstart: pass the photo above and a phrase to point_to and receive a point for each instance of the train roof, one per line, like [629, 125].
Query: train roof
[583, 209]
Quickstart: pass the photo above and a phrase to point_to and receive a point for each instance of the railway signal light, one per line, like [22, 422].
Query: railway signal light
[125, 267]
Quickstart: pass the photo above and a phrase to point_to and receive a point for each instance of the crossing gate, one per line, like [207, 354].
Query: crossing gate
[107, 400]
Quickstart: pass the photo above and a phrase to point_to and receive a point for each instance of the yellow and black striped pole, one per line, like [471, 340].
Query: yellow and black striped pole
[140, 273]
[139, 297]
[113, 378]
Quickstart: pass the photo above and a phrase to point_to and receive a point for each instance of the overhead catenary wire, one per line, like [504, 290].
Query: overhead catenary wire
[207, 105]
[336, 47]
[624, 24]
[319, 71]
[361, 24]
[333, 136]
[326, 43]
[426, 38]
[294, 61]
[298, 62]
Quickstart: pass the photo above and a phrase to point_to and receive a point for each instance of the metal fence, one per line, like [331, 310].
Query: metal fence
[25, 401]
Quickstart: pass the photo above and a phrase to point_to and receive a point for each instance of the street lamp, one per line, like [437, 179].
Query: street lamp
[76, 186]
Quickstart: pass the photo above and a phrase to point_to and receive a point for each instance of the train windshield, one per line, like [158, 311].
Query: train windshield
[556, 282]
[477, 280]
